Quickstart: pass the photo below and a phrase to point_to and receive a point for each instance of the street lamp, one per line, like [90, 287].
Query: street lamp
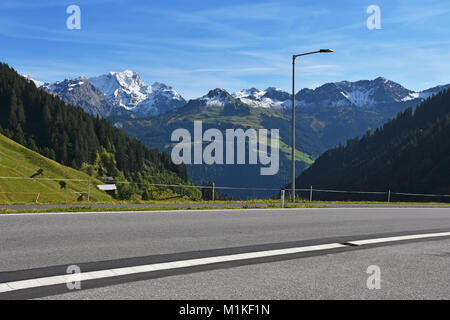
[293, 114]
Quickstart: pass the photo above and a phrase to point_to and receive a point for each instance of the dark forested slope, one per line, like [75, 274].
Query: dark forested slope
[67, 134]
[408, 154]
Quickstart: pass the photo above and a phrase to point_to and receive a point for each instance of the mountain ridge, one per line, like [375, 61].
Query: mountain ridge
[410, 153]
[126, 95]
[320, 125]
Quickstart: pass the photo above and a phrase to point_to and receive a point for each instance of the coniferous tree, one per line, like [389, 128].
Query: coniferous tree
[410, 153]
[72, 137]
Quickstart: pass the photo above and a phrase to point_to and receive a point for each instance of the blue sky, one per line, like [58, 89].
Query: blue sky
[198, 45]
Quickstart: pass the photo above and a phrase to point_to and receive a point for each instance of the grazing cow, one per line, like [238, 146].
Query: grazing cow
[37, 173]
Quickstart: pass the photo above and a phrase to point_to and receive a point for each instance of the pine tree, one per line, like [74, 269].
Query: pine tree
[72, 137]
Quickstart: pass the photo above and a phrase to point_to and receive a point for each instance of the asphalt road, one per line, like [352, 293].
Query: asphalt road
[43, 245]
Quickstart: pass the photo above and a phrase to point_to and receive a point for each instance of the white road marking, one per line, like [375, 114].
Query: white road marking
[48, 281]
[62, 279]
[399, 238]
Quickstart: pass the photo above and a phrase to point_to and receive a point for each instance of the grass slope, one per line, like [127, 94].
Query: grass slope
[18, 161]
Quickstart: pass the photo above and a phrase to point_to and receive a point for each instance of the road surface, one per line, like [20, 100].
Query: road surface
[228, 254]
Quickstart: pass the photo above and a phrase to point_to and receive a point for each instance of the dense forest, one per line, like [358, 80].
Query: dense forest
[67, 134]
[410, 153]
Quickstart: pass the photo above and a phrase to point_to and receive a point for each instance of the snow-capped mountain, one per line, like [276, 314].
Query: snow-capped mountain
[270, 98]
[367, 94]
[127, 90]
[80, 92]
[124, 94]
[217, 97]
[363, 93]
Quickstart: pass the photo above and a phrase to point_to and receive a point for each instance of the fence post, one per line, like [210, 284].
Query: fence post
[213, 187]
[89, 190]
[282, 198]
[310, 194]
[389, 196]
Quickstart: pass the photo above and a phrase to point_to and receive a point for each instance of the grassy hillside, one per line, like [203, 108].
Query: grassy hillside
[18, 161]
[45, 124]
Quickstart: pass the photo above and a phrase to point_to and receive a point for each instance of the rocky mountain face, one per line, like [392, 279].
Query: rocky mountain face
[363, 94]
[269, 98]
[80, 92]
[118, 94]
[367, 94]
[127, 90]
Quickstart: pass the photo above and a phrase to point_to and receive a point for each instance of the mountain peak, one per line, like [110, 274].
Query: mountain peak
[362, 93]
[127, 90]
[382, 79]
[277, 95]
[251, 93]
[270, 98]
[126, 73]
[80, 92]
[217, 92]
[218, 97]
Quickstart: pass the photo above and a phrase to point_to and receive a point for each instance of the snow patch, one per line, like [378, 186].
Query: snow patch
[256, 98]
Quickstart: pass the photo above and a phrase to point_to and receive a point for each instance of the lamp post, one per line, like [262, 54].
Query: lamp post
[293, 114]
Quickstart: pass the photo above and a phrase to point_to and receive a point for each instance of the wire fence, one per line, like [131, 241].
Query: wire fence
[310, 194]
[306, 194]
[355, 195]
[196, 186]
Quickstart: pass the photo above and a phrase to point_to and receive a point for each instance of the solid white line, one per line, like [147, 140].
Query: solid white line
[109, 273]
[399, 238]
[47, 281]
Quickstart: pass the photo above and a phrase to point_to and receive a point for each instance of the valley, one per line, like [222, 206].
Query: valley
[326, 117]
